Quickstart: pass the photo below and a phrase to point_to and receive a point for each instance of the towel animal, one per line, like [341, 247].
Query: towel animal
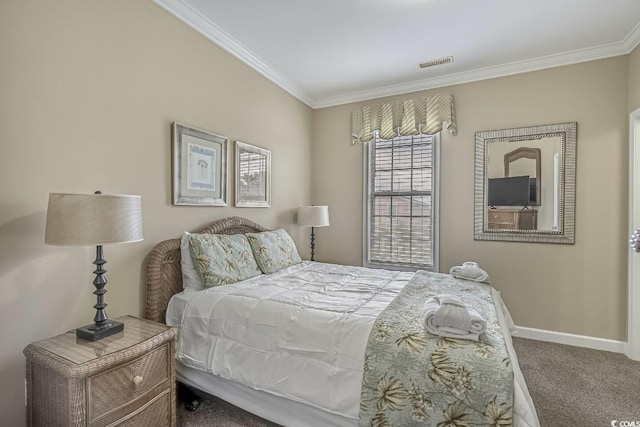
[447, 316]
[469, 271]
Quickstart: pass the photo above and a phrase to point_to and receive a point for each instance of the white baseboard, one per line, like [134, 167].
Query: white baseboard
[571, 339]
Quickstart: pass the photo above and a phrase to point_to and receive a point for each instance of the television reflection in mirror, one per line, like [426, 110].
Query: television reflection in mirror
[511, 191]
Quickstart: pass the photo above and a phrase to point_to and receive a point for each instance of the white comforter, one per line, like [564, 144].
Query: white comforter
[299, 333]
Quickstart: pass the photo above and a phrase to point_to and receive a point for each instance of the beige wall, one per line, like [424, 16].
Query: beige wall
[634, 79]
[577, 288]
[89, 90]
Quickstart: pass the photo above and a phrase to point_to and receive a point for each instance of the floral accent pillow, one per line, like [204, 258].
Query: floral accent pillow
[222, 259]
[273, 250]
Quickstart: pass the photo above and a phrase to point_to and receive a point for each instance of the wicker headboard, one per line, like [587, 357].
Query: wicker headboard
[164, 277]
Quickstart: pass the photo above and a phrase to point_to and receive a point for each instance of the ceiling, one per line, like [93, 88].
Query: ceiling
[331, 52]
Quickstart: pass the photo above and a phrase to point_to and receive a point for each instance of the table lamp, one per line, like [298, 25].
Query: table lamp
[313, 216]
[94, 219]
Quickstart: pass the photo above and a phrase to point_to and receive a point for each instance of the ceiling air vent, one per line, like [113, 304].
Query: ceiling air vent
[434, 62]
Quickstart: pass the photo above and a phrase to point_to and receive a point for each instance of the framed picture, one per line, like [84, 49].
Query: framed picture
[199, 167]
[253, 176]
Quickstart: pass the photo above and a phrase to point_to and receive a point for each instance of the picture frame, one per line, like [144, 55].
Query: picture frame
[199, 167]
[253, 176]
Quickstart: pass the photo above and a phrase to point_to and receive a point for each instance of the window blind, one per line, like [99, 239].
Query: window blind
[400, 201]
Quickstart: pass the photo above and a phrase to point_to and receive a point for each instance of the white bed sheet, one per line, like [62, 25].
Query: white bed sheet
[299, 334]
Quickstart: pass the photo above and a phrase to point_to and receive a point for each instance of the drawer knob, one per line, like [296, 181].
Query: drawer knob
[137, 380]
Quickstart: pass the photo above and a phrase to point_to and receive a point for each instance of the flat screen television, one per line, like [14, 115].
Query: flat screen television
[510, 191]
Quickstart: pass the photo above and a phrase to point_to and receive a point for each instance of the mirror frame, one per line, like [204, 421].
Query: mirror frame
[568, 134]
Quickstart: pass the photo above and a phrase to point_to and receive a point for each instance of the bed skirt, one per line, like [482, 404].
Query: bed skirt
[269, 406]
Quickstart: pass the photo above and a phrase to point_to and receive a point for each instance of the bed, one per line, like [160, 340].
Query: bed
[298, 347]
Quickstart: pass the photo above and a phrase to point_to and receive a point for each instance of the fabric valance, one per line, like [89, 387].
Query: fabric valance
[412, 116]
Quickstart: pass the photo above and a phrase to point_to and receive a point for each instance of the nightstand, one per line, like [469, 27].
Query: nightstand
[126, 379]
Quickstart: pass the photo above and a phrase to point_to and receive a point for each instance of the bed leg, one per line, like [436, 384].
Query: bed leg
[187, 396]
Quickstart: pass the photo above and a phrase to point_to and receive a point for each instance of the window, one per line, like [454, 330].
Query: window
[401, 202]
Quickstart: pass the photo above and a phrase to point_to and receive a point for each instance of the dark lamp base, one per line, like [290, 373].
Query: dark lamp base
[95, 333]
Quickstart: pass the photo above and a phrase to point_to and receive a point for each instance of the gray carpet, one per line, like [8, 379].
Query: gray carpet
[216, 412]
[574, 386]
[570, 386]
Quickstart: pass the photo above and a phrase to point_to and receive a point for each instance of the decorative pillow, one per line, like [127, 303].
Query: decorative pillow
[273, 250]
[190, 276]
[222, 259]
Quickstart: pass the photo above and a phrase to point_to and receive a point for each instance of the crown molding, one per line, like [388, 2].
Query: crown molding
[633, 39]
[207, 28]
[210, 30]
[519, 67]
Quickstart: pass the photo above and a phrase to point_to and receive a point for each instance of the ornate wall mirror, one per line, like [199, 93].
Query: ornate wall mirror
[525, 182]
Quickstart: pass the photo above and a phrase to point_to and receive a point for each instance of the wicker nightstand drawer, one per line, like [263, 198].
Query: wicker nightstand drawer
[152, 414]
[126, 379]
[110, 390]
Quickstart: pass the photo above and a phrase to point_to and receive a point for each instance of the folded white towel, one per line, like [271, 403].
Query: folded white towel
[449, 299]
[469, 271]
[447, 316]
[451, 313]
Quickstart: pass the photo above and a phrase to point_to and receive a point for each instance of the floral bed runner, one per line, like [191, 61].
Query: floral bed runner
[412, 377]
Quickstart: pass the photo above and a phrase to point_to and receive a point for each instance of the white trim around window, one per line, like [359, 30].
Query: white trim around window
[403, 258]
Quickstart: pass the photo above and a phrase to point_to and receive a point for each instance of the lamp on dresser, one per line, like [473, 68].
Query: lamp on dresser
[94, 219]
[313, 216]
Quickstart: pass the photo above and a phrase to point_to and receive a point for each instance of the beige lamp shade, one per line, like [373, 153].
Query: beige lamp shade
[313, 216]
[93, 219]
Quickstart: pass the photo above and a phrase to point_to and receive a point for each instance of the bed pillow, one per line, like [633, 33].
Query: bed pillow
[273, 250]
[222, 259]
[190, 276]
